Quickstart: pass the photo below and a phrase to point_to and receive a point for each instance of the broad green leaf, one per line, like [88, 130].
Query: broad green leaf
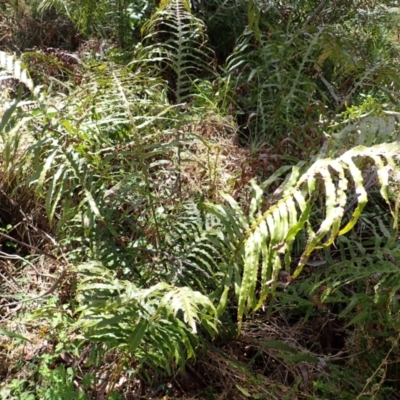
[136, 337]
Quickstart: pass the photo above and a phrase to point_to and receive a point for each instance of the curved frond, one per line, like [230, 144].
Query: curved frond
[155, 324]
[262, 241]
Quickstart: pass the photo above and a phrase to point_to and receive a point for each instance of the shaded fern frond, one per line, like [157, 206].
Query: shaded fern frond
[363, 274]
[194, 243]
[177, 41]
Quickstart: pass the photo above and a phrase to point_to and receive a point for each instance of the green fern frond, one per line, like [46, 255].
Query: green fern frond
[363, 274]
[91, 129]
[365, 130]
[262, 241]
[177, 41]
[155, 324]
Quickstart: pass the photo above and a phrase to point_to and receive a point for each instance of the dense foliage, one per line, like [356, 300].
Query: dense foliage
[199, 199]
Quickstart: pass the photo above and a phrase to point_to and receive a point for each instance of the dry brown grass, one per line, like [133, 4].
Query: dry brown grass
[213, 161]
[25, 271]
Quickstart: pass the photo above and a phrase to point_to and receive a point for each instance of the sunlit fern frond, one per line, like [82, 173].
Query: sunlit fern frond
[16, 69]
[261, 242]
[366, 130]
[154, 324]
[111, 123]
[97, 103]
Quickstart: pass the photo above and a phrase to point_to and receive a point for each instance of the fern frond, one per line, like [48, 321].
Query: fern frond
[374, 126]
[91, 129]
[262, 241]
[16, 69]
[155, 324]
[176, 39]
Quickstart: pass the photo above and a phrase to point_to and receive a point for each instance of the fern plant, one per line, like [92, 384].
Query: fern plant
[157, 324]
[277, 91]
[105, 19]
[105, 135]
[366, 277]
[259, 243]
[19, 94]
[220, 256]
[291, 74]
[175, 40]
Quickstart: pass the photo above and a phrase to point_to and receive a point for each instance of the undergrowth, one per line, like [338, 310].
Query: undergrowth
[190, 216]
